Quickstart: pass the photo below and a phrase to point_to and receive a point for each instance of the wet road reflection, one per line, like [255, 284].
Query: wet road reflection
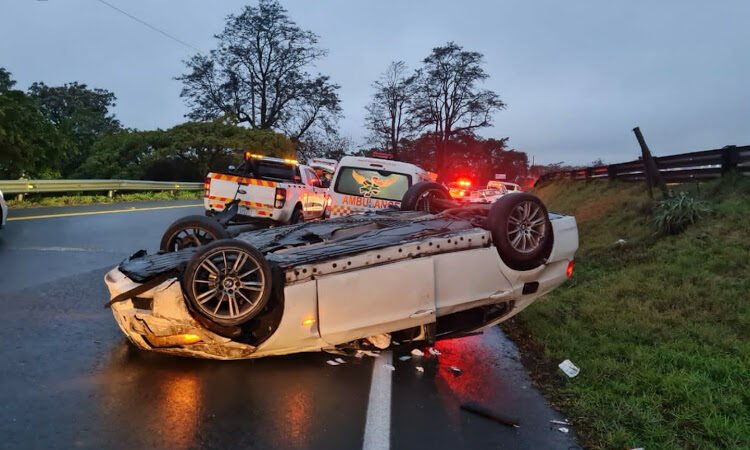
[161, 401]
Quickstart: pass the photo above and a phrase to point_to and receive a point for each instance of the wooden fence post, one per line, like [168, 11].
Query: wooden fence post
[730, 157]
[651, 169]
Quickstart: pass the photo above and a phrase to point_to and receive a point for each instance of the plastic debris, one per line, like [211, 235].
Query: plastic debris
[340, 361]
[381, 341]
[455, 370]
[373, 354]
[569, 368]
[404, 358]
[621, 242]
[563, 430]
[389, 366]
[639, 448]
[434, 352]
[480, 410]
[331, 362]
[420, 369]
[417, 352]
[559, 422]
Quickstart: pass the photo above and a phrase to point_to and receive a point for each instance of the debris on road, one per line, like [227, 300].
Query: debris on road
[340, 361]
[570, 369]
[404, 358]
[563, 430]
[559, 422]
[331, 362]
[389, 367]
[417, 352]
[361, 353]
[480, 410]
[381, 341]
[434, 352]
[456, 371]
[420, 369]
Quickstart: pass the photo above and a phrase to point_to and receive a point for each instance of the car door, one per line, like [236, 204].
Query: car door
[316, 193]
[376, 300]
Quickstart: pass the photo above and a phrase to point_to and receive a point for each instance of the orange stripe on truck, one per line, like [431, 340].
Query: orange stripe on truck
[253, 181]
[242, 202]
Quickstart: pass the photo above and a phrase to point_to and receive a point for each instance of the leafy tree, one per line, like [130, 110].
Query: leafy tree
[324, 145]
[450, 103]
[6, 82]
[80, 113]
[258, 75]
[389, 114]
[182, 153]
[29, 144]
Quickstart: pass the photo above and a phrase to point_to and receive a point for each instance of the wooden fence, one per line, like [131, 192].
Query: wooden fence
[685, 167]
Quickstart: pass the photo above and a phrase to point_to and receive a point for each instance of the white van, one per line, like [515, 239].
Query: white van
[364, 184]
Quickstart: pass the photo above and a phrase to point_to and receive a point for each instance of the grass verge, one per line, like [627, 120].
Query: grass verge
[85, 199]
[659, 325]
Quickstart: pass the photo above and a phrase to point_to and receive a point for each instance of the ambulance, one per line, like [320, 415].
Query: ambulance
[363, 184]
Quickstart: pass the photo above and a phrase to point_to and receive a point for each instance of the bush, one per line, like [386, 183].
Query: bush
[674, 214]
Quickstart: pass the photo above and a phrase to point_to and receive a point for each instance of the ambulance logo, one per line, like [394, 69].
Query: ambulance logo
[372, 186]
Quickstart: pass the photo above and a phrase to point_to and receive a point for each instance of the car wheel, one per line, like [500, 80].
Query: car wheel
[297, 216]
[427, 196]
[227, 282]
[521, 230]
[191, 231]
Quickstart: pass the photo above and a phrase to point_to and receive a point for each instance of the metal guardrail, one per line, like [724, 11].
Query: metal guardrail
[684, 167]
[110, 186]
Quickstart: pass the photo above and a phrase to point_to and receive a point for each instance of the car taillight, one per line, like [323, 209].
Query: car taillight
[206, 186]
[280, 198]
[569, 270]
[329, 201]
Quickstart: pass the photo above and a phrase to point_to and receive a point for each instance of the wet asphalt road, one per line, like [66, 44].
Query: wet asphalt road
[69, 379]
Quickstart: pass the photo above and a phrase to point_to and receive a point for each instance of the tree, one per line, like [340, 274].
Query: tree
[80, 113]
[389, 114]
[324, 145]
[182, 153]
[258, 75]
[6, 82]
[29, 144]
[450, 102]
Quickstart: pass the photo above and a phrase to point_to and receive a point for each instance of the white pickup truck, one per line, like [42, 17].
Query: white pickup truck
[263, 191]
[280, 190]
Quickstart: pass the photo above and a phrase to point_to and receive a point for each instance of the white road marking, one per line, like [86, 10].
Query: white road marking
[378, 424]
[91, 213]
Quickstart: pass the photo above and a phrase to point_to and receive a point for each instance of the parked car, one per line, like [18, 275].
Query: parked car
[485, 195]
[3, 210]
[432, 270]
[510, 187]
[263, 191]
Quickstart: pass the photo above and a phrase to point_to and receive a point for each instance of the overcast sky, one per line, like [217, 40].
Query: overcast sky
[577, 75]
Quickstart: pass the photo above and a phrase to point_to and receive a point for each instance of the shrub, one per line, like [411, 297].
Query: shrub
[674, 214]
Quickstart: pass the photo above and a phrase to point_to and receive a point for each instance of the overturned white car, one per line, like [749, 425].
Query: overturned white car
[429, 271]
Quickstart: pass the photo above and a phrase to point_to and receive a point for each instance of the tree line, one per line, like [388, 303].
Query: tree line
[257, 89]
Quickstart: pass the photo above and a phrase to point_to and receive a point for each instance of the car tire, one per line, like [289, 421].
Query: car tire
[427, 196]
[521, 230]
[191, 231]
[228, 282]
[297, 216]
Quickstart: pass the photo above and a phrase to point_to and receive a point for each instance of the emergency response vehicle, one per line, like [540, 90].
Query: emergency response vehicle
[363, 184]
[262, 192]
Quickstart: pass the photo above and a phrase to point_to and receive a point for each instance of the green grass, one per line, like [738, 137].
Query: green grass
[659, 326]
[84, 199]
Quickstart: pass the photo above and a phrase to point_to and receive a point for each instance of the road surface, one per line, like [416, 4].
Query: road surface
[69, 379]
